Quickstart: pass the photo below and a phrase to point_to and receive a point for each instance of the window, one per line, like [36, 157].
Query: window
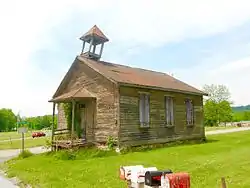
[189, 112]
[144, 110]
[169, 110]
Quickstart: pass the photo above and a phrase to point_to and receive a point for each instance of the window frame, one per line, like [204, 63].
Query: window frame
[169, 111]
[144, 109]
[189, 112]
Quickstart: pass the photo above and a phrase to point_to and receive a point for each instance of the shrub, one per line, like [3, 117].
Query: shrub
[67, 107]
[110, 142]
[65, 155]
[25, 154]
[48, 144]
[82, 154]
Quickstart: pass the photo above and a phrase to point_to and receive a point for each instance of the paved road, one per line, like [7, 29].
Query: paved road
[224, 131]
[5, 183]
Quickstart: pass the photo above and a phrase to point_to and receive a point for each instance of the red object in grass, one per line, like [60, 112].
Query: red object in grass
[179, 180]
[38, 134]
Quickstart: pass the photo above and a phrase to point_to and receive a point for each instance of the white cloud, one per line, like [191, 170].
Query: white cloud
[233, 67]
[25, 27]
[235, 75]
[154, 23]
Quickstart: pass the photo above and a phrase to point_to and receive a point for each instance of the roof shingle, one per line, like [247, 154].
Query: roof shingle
[139, 77]
[95, 31]
[74, 94]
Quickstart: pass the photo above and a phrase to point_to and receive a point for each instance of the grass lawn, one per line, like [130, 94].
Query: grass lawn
[219, 128]
[225, 155]
[16, 144]
[13, 135]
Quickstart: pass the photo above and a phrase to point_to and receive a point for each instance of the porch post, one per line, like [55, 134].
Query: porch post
[53, 126]
[73, 121]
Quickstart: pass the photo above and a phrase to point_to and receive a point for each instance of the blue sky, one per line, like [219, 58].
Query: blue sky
[198, 42]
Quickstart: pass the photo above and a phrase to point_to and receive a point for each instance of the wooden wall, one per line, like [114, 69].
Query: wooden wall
[61, 121]
[130, 130]
[106, 105]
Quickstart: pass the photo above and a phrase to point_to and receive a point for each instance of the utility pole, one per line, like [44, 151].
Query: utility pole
[17, 119]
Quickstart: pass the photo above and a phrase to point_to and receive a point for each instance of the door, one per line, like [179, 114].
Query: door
[83, 117]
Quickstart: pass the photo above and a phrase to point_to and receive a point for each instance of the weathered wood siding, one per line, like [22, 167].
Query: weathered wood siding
[132, 133]
[106, 105]
[61, 121]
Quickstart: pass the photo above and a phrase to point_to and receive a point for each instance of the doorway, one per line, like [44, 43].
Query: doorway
[83, 118]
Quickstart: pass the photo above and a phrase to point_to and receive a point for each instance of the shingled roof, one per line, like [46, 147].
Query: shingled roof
[138, 77]
[73, 94]
[95, 31]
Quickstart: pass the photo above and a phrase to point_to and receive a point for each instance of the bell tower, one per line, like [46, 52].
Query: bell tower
[96, 39]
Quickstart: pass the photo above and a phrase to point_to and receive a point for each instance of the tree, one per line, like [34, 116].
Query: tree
[40, 122]
[246, 116]
[225, 113]
[217, 107]
[7, 120]
[210, 113]
[217, 93]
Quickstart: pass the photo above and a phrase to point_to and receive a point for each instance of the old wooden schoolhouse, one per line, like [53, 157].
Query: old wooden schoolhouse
[133, 105]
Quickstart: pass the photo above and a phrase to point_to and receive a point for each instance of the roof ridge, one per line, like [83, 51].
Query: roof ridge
[82, 58]
[148, 70]
[138, 76]
[136, 68]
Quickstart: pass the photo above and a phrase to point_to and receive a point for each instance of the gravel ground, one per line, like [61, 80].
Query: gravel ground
[227, 130]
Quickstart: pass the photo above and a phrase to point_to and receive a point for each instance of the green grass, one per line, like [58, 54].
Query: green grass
[219, 128]
[225, 155]
[16, 144]
[13, 135]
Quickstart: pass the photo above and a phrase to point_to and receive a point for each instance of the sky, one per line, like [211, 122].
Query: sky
[199, 42]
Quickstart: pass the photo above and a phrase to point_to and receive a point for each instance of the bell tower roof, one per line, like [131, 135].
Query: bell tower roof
[95, 33]
[94, 38]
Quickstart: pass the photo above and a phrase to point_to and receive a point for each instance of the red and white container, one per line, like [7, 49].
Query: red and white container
[176, 180]
[125, 171]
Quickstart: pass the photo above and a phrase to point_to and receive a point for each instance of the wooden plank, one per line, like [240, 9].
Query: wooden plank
[130, 130]
[159, 140]
[73, 120]
[105, 107]
[61, 132]
[223, 183]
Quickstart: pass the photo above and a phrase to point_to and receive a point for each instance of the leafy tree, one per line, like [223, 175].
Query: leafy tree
[246, 116]
[40, 122]
[7, 120]
[210, 113]
[225, 113]
[217, 107]
[217, 93]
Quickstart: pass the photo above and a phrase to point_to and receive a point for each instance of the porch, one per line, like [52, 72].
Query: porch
[79, 108]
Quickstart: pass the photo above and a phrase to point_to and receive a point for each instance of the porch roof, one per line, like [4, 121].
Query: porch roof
[73, 95]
